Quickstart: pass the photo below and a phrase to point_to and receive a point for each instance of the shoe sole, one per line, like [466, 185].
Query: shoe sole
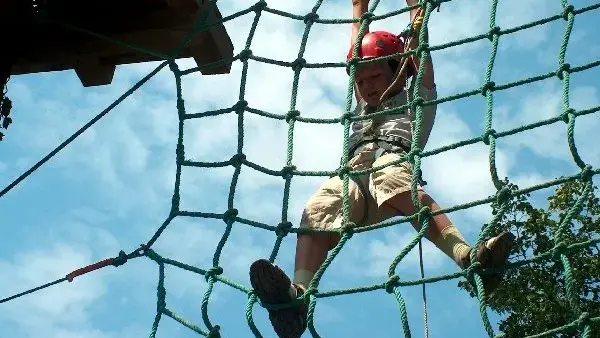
[272, 286]
[498, 257]
[501, 250]
[269, 282]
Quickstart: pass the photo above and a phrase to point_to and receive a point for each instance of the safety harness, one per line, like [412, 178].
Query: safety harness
[384, 145]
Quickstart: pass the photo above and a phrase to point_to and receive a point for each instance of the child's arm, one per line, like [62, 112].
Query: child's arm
[428, 80]
[359, 7]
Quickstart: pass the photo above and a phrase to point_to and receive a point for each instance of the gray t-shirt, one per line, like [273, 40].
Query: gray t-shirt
[398, 124]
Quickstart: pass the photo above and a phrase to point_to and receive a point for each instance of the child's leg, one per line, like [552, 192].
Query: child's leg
[273, 286]
[311, 252]
[391, 187]
[441, 232]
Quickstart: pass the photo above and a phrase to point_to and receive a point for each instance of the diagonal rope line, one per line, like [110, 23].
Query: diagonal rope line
[198, 28]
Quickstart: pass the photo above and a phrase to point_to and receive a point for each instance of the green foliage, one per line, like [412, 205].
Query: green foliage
[5, 103]
[533, 297]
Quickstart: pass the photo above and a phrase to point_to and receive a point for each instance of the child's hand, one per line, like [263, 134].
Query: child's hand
[364, 3]
[411, 2]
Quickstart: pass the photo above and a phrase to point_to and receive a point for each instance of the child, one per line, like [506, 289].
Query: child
[382, 194]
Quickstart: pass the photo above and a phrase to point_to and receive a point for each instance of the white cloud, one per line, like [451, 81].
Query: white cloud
[463, 174]
[544, 103]
[508, 16]
[58, 310]
[381, 253]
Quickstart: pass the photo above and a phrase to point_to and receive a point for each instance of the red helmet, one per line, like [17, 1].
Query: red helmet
[380, 43]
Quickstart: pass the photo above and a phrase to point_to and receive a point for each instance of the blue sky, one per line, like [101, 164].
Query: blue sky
[111, 188]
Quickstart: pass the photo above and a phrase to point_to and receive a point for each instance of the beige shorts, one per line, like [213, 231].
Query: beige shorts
[324, 208]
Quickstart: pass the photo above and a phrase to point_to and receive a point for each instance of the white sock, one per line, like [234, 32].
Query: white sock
[301, 278]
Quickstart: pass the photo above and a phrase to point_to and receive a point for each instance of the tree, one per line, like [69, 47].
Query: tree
[5, 103]
[532, 298]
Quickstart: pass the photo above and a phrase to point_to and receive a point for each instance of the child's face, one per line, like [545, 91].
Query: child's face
[372, 80]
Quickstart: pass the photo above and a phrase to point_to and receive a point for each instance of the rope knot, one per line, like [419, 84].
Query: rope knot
[563, 68]
[422, 47]
[240, 106]
[345, 170]
[488, 136]
[173, 67]
[212, 272]
[298, 64]
[230, 215]
[567, 114]
[283, 229]
[391, 283]
[424, 214]
[142, 250]
[259, 6]
[310, 18]
[570, 9]
[120, 259]
[345, 117]
[559, 249]
[472, 269]
[214, 332]
[237, 160]
[291, 115]
[311, 291]
[488, 88]
[587, 173]
[494, 32]
[417, 102]
[414, 153]
[288, 172]
[503, 195]
[245, 54]
[348, 228]
[354, 61]
[367, 17]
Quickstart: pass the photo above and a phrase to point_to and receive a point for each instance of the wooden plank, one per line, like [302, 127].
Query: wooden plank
[180, 3]
[216, 47]
[93, 73]
[54, 48]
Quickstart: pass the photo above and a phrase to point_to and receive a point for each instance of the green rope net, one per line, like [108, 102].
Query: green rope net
[393, 284]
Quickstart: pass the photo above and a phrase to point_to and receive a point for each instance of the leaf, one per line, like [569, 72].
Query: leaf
[5, 105]
[545, 305]
[7, 121]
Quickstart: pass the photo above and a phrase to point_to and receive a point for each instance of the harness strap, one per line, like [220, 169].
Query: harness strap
[388, 145]
[392, 143]
[398, 145]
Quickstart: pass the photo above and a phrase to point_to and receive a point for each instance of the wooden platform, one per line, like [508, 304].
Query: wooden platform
[157, 25]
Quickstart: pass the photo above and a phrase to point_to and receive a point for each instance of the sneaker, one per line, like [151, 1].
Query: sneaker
[272, 286]
[494, 257]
